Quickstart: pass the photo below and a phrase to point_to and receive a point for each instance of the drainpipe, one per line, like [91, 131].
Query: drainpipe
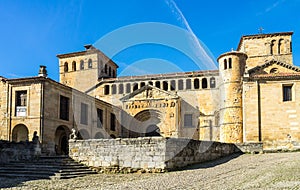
[259, 110]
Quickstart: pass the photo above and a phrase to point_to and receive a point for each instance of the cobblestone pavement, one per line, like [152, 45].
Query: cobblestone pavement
[261, 171]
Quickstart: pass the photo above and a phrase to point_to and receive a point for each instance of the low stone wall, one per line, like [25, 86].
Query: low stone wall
[249, 147]
[148, 154]
[11, 151]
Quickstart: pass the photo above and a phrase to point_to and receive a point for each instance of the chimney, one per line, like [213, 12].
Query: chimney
[43, 71]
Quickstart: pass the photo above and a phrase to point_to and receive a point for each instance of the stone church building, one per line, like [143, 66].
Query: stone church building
[252, 97]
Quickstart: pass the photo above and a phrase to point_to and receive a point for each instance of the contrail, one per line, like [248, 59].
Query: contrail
[197, 44]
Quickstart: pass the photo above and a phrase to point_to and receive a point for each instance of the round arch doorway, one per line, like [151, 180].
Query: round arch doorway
[20, 133]
[62, 140]
[147, 123]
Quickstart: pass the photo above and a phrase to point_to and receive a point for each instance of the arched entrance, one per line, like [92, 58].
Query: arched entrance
[152, 131]
[147, 123]
[61, 140]
[20, 133]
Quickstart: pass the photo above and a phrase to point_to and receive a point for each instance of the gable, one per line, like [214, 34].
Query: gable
[274, 67]
[149, 92]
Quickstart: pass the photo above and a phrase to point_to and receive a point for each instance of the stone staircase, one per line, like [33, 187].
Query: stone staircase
[46, 167]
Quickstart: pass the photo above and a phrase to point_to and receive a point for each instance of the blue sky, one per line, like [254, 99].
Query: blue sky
[34, 32]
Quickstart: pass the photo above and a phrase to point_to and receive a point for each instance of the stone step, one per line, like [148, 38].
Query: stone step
[55, 167]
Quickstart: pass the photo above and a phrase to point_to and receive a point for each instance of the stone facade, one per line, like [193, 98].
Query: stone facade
[251, 98]
[149, 154]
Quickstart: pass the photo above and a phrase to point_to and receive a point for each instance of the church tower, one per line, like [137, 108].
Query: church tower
[82, 70]
[231, 69]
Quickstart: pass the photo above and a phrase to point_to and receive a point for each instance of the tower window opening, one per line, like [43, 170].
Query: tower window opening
[272, 47]
[135, 86]
[90, 64]
[74, 66]
[105, 69]
[280, 46]
[66, 67]
[81, 65]
[225, 64]
[230, 63]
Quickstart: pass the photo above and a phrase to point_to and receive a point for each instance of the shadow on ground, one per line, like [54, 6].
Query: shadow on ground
[212, 163]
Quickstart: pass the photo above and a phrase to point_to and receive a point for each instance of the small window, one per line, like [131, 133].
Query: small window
[135, 86]
[273, 70]
[90, 64]
[66, 67]
[150, 83]
[109, 71]
[106, 89]
[105, 69]
[165, 85]
[272, 47]
[180, 84]
[157, 84]
[230, 63]
[287, 92]
[204, 83]
[121, 88]
[21, 103]
[81, 65]
[212, 82]
[74, 66]
[112, 122]
[142, 84]
[113, 73]
[64, 108]
[99, 118]
[173, 85]
[225, 64]
[188, 120]
[84, 114]
[291, 47]
[188, 84]
[113, 89]
[196, 84]
[128, 88]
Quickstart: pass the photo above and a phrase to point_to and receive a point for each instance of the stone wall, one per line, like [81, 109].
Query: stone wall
[149, 154]
[11, 151]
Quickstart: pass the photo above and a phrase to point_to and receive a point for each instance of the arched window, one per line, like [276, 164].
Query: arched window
[105, 69]
[157, 84]
[204, 83]
[128, 88]
[121, 88]
[113, 73]
[66, 67]
[291, 47]
[212, 82]
[165, 85]
[74, 66]
[142, 84]
[230, 63]
[113, 89]
[280, 46]
[106, 89]
[150, 83]
[173, 85]
[135, 86]
[272, 47]
[225, 64]
[109, 71]
[81, 64]
[90, 63]
[188, 84]
[273, 70]
[196, 84]
[180, 84]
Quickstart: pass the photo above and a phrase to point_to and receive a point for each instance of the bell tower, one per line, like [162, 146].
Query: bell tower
[82, 70]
